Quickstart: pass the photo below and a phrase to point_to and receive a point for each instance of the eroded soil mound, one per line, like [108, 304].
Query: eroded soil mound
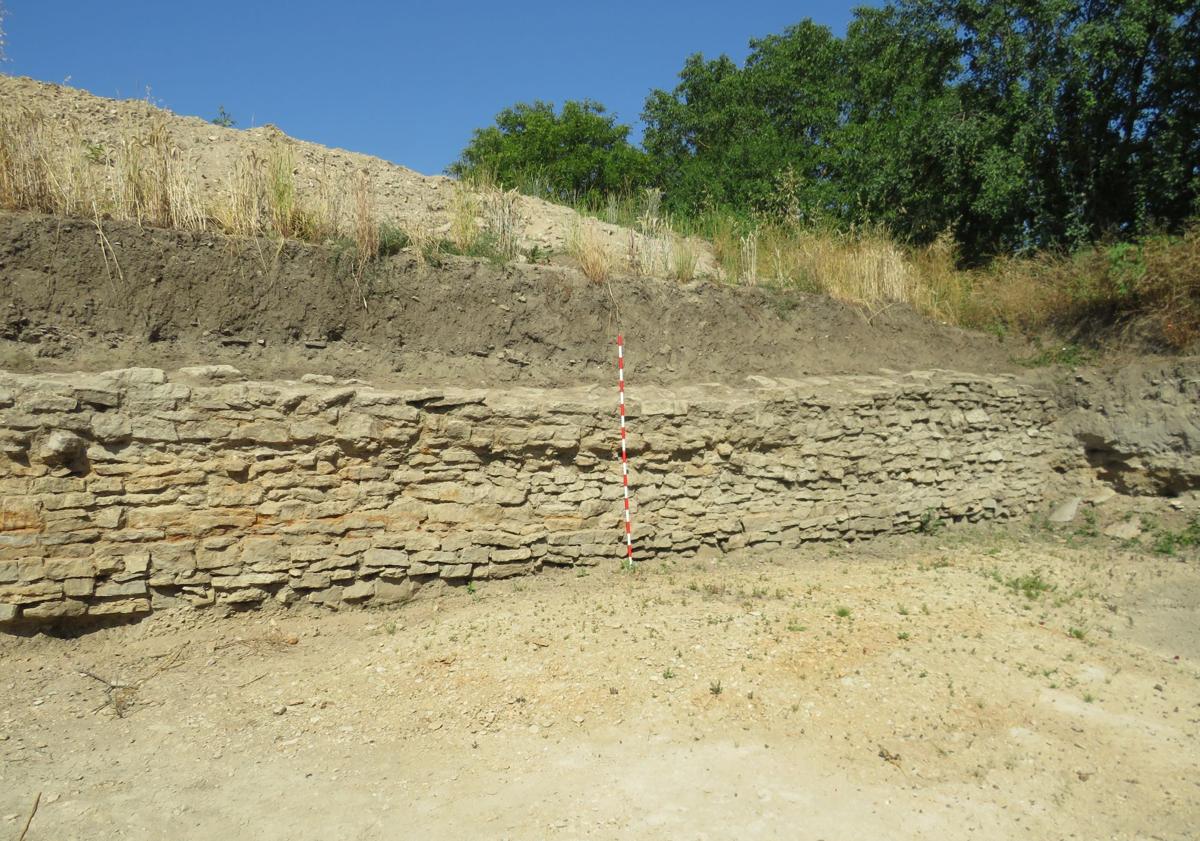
[210, 156]
[167, 299]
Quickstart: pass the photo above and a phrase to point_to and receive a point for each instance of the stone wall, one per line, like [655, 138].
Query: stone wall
[129, 491]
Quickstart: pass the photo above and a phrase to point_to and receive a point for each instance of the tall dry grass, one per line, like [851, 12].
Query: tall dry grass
[366, 228]
[51, 169]
[485, 218]
[684, 256]
[150, 183]
[31, 175]
[587, 248]
[143, 177]
[1169, 288]
[464, 217]
[502, 221]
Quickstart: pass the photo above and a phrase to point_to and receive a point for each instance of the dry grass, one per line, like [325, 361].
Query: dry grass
[282, 210]
[464, 218]
[144, 177]
[585, 245]
[683, 259]
[648, 253]
[240, 211]
[26, 167]
[485, 219]
[1170, 286]
[150, 183]
[425, 242]
[1153, 285]
[502, 221]
[366, 228]
[50, 169]
[748, 258]
[866, 268]
[650, 249]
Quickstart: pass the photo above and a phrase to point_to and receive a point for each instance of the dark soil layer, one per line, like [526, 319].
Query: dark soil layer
[167, 299]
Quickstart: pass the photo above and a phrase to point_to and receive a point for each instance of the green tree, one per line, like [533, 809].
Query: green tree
[728, 136]
[1085, 116]
[905, 151]
[1015, 124]
[566, 155]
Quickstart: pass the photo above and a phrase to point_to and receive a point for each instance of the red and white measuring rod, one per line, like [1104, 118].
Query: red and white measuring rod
[624, 454]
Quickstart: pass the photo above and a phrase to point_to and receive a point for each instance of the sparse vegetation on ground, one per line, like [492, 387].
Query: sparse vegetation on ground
[1153, 282]
[1040, 723]
[896, 164]
[142, 178]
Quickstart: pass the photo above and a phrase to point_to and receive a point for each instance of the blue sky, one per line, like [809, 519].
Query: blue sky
[404, 81]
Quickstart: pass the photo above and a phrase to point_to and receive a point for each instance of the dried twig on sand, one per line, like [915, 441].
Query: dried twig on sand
[116, 695]
[275, 639]
[120, 696]
[36, 801]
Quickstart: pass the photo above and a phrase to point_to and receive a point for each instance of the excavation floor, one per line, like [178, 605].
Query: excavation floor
[980, 683]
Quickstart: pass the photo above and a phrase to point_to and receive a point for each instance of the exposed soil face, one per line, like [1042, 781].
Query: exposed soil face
[904, 689]
[169, 299]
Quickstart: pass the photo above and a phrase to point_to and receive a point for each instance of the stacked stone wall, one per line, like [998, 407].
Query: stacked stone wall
[134, 490]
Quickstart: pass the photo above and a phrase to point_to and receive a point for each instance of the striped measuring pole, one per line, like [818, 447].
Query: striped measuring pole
[624, 453]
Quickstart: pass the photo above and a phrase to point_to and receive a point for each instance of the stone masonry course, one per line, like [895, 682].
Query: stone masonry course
[135, 490]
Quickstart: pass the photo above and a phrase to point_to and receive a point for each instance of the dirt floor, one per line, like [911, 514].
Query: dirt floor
[983, 682]
[170, 299]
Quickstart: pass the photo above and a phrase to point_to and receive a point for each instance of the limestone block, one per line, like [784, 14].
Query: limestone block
[64, 609]
[333, 562]
[312, 581]
[385, 557]
[31, 592]
[135, 376]
[79, 587]
[247, 595]
[58, 569]
[61, 447]
[248, 579]
[109, 589]
[359, 591]
[353, 545]
[508, 556]
[387, 592]
[122, 607]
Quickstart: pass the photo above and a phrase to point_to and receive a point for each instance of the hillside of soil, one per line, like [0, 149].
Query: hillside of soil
[79, 296]
[210, 154]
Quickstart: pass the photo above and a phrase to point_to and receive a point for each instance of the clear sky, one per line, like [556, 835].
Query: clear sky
[404, 81]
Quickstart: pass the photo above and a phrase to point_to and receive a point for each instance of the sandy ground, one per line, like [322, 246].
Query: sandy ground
[903, 689]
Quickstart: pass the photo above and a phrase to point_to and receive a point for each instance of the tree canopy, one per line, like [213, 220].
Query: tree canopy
[565, 154]
[1013, 124]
